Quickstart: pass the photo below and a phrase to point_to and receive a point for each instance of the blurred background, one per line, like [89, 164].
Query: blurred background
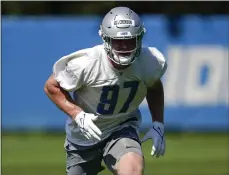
[193, 36]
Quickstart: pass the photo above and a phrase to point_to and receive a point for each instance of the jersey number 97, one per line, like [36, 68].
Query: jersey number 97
[112, 101]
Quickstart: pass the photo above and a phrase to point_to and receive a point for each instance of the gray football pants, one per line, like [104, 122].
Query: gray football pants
[83, 160]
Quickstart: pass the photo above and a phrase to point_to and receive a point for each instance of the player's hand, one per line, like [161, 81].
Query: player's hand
[156, 133]
[87, 126]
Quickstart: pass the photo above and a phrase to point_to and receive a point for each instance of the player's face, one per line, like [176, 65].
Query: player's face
[123, 46]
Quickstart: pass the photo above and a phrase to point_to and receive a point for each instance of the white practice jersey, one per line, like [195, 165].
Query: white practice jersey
[98, 88]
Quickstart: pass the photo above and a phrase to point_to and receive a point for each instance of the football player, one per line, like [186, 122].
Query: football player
[100, 89]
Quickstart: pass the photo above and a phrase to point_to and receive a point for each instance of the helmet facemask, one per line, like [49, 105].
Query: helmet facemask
[123, 50]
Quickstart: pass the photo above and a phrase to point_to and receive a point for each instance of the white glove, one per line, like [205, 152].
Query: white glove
[87, 126]
[156, 133]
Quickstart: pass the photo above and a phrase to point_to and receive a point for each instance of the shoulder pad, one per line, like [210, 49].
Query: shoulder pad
[88, 55]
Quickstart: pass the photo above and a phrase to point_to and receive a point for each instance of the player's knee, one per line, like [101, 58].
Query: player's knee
[130, 164]
[130, 169]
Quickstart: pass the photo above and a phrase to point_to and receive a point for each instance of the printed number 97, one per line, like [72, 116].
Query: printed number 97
[111, 101]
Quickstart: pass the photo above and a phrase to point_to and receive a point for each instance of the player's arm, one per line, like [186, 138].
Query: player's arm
[61, 98]
[155, 100]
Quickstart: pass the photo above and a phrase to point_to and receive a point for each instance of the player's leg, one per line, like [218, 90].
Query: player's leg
[123, 154]
[130, 163]
[83, 161]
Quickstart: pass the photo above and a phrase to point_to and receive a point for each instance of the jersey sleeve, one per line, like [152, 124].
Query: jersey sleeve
[155, 66]
[70, 72]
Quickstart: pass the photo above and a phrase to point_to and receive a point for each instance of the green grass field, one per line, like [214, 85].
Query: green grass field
[186, 154]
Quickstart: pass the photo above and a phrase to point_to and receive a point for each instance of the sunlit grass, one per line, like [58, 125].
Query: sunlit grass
[186, 154]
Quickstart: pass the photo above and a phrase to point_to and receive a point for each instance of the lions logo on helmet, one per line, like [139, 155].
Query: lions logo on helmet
[122, 32]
